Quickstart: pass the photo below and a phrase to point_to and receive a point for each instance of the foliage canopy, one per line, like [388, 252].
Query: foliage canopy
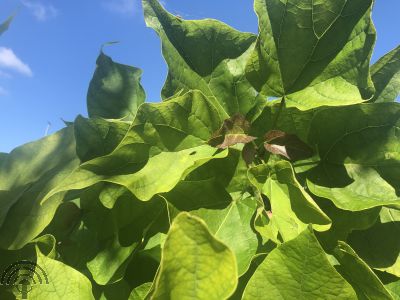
[270, 170]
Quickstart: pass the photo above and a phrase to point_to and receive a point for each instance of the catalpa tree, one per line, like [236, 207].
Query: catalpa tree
[270, 170]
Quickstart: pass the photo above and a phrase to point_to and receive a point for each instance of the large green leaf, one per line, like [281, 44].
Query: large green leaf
[64, 282]
[292, 209]
[102, 241]
[115, 91]
[185, 121]
[155, 129]
[379, 245]
[298, 269]
[26, 175]
[159, 175]
[130, 220]
[359, 162]
[364, 281]
[229, 219]
[205, 55]
[194, 265]
[386, 77]
[313, 52]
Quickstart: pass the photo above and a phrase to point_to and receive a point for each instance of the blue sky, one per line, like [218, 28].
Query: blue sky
[48, 55]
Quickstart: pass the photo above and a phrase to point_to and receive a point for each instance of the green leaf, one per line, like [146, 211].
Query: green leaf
[280, 117]
[64, 282]
[292, 208]
[298, 269]
[140, 292]
[115, 91]
[229, 219]
[232, 226]
[379, 245]
[109, 261]
[313, 53]
[386, 77]
[230, 172]
[394, 289]
[205, 55]
[159, 175]
[183, 121]
[364, 281]
[194, 263]
[359, 158]
[106, 239]
[97, 137]
[26, 175]
[343, 222]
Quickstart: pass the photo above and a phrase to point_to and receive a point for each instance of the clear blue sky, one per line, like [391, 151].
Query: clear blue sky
[53, 45]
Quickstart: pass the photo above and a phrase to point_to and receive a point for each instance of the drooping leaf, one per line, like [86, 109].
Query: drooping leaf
[343, 222]
[26, 175]
[379, 245]
[234, 139]
[394, 289]
[105, 240]
[292, 208]
[159, 175]
[287, 145]
[205, 55]
[140, 292]
[364, 281]
[194, 263]
[97, 137]
[228, 218]
[233, 131]
[230, 172]
[115, 91]
[154, 130]
[359, 160]
[185, 121]
[313, 53]
[386, 77]
[63, 282]
[131, 220]
[298, 269]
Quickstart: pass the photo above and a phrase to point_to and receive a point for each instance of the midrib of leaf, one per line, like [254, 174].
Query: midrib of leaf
[279, 42]
[317, 41]
[226, 217]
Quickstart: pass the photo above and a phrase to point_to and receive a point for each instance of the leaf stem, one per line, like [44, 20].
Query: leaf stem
[281, 106]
